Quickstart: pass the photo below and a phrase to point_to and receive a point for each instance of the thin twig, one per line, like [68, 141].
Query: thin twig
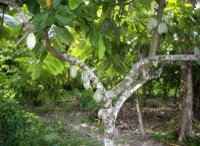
[22, 38]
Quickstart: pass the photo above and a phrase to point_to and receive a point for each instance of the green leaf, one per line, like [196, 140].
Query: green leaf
[102, 48]
[57, 44]
[63, 10]
[172, 1]
[43, 56]
[94, 38]
[40, 21]
[16, 30]
[53, 65]
[64, 20]
[56, 3]
[104, 65]
[50, 20]
[108, 45]
[73, 4]
[188, 5]
[33, 7]
[35, 69]
[64, 35]
[117, 64]
[116, 32]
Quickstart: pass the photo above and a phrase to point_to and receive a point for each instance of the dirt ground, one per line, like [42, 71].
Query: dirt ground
[155, 119]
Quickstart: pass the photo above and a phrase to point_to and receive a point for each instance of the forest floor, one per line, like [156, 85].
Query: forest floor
[159, 123]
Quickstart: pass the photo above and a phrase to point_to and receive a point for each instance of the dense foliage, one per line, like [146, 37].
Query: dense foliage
[17, 127]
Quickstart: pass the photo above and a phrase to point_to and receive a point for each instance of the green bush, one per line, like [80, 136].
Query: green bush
[87, 102]
[17, 127]
[193, 141]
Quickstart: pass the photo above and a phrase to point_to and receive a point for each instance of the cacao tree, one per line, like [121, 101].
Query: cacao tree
[110, 34]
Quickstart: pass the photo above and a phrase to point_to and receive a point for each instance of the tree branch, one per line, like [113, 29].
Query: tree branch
[136, 69]
[72, 60]
[134, 87]
[28, 26]
[155, 36]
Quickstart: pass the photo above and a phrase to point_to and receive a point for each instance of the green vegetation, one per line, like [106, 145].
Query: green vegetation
[164, 137]
[17, 127]
[20, 128]
[103, 39]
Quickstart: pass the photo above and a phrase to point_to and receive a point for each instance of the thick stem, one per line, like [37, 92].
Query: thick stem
[125, 96]
[155, 36]
[141, 127]
[134, 87]
[109, 122]
[136, 69]
[186, 123]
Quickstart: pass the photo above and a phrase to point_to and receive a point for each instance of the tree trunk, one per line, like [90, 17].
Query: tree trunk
[109, 122]
[187, 95]
[141, 127]
[196, 87]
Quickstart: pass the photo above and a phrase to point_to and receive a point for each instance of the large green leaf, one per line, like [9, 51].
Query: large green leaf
[94, 38]
[16, 30]
[64, 20]
[53, 65]
[33, 6]
[104, 65]
[35, 68]
[102, 48]
[64, 35]
[117, 64]
[57, 44]
[73, 4]
[40, 21]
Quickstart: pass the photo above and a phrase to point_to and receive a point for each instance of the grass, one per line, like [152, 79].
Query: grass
[193, 142]
[58, 134]
[55, 132]
[164, 137]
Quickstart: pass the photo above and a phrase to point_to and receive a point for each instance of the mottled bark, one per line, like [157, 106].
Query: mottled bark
[109, 121]
[187, 93]
[136, 70]
[133, 88]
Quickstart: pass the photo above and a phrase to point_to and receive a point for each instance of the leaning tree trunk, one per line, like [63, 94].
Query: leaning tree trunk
[141, 126]
[187, 95]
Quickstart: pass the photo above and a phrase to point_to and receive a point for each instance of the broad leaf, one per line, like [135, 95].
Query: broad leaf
[73, 4]
[101, 47]
[64, 20]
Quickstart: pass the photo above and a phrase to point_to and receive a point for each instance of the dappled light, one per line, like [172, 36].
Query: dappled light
[99, 72]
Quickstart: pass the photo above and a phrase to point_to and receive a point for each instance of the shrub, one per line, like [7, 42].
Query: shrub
[87, 102]
[17, 127]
